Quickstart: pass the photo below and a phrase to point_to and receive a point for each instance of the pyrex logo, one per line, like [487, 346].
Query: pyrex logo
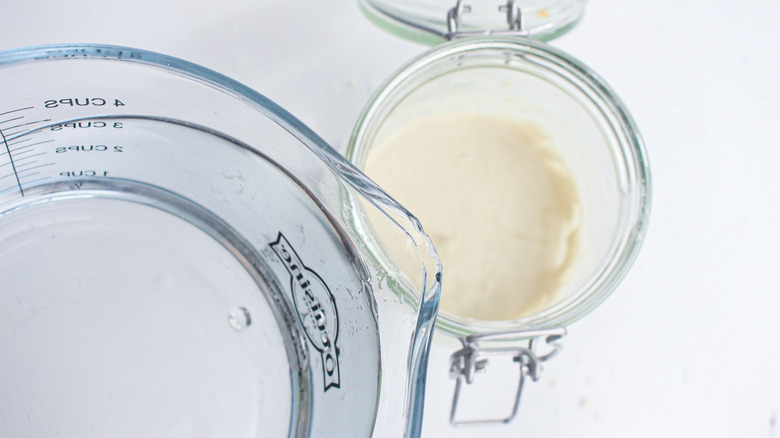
[316, 309]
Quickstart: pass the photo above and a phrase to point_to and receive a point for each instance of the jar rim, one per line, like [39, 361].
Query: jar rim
[634, 219]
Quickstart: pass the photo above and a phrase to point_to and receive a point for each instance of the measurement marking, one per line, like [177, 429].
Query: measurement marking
[35, 167]
[11, 120]
[19, 166]
[28, 157]
[17, 153]
[17, 141]
[13, 111]
[12, 135]
[11, 158]
[30, 145]
[27, 124]
[29, 175]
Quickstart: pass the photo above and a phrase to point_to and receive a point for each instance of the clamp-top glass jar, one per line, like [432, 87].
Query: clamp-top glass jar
[503, 74]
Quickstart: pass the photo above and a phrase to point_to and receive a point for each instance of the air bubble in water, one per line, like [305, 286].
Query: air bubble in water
[240, 318]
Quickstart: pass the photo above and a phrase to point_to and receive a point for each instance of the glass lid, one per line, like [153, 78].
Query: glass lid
[431, 21]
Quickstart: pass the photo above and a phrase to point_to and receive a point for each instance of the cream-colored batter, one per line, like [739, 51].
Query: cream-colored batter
[500, 205]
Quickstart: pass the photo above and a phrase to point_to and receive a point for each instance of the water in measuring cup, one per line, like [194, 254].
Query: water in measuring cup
[145, 252]
[121, 319]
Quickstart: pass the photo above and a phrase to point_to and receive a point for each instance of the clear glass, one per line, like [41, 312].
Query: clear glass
[180, 255]
[427, 21]
[526, 81]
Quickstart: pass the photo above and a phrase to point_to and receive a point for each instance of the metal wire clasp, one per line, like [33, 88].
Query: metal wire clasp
[513, 18]
[473, 358]
[454, 16]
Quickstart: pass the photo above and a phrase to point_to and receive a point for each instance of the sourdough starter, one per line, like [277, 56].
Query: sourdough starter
[500, 205]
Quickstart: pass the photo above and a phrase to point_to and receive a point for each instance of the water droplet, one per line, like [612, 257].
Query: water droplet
[240, 318]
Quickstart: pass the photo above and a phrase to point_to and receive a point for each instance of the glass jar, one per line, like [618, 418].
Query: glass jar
[527, 81]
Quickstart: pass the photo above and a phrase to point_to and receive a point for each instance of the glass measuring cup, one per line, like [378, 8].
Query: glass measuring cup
[522, 80]
[180, 254]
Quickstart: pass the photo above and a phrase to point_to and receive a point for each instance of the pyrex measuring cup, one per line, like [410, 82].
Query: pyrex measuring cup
[180, 256]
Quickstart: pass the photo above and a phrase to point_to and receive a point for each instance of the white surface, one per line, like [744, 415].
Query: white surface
[686, 346]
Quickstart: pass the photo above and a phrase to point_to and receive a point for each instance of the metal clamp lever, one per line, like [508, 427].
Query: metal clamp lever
[513, 19]
[473, 358]
[453, 17]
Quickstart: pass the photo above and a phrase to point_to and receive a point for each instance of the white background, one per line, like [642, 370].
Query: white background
[687, 345]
